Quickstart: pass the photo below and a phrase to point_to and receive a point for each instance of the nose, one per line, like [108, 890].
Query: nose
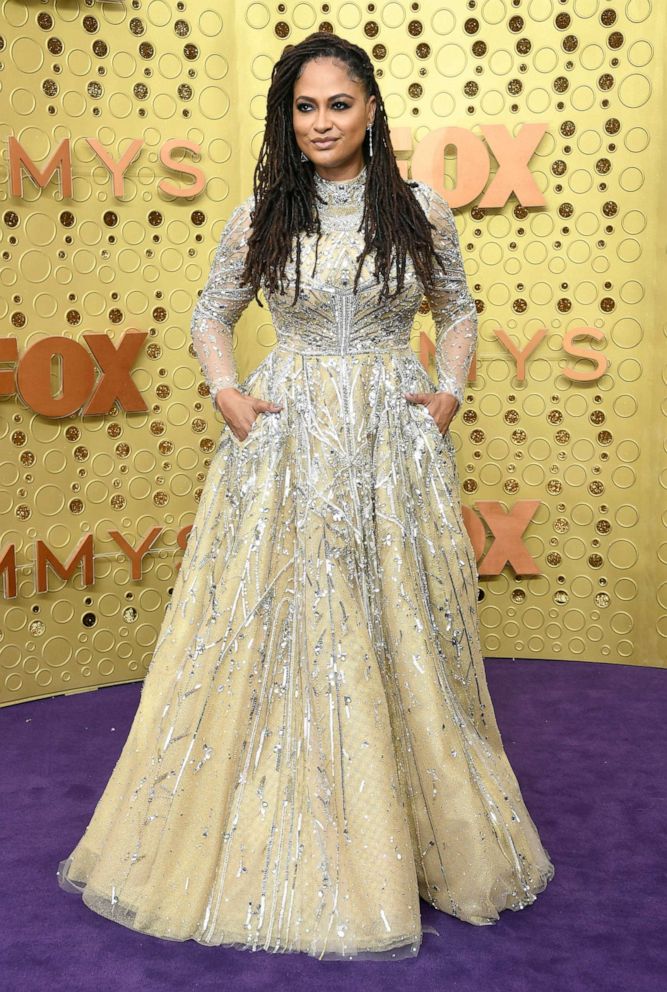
[322, 125]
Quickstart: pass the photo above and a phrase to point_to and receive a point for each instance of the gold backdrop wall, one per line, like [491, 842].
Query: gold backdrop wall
[590, 453]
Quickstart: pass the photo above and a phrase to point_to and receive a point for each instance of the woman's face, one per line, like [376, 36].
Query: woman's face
[327, 104]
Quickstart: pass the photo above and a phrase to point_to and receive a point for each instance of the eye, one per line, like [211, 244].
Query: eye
[339, 103]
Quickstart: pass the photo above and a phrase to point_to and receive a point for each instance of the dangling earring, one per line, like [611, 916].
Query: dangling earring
[370, 140]
[304, 158]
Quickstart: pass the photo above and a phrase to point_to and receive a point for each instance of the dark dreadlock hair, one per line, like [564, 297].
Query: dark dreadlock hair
[284, 186]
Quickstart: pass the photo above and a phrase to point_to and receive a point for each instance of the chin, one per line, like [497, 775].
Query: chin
[332, 156]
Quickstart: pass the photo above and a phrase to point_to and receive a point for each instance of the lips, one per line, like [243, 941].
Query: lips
[326, 143]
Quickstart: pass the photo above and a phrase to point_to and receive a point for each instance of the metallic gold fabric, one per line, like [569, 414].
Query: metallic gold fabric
[315, 746]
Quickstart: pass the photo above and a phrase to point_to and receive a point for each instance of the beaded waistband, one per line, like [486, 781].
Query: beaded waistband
[405, 348]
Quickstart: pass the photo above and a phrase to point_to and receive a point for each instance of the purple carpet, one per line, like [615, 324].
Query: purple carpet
[587, 742]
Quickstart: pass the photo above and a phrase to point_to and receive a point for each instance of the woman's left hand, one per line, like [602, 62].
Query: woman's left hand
[442, 406]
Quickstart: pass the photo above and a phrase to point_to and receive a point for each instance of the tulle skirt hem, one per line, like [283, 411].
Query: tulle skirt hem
[396, 949]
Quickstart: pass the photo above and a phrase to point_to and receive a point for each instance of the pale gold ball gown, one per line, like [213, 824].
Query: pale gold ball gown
[315, 746]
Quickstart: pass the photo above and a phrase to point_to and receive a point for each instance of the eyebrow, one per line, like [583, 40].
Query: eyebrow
[334, 97]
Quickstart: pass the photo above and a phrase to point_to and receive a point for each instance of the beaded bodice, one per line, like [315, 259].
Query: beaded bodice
[329, 316]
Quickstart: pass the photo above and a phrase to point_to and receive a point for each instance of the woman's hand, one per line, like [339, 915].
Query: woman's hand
[442, 406]
[241, 411]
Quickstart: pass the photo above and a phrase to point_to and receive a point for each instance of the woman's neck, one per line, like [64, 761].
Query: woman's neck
[346, 173]
[342, 192]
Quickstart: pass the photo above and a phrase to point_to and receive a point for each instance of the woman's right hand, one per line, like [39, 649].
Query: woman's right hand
[240, 411]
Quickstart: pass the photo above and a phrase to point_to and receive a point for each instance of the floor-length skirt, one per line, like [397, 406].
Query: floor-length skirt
[315, 747]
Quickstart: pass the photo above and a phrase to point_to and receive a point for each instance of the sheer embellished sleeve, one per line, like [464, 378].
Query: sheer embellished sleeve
[222, 302]
[453, 308]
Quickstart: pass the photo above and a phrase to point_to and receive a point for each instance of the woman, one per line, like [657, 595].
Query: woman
[315, 747]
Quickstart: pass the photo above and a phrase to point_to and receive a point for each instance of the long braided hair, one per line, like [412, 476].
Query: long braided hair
[284, 186]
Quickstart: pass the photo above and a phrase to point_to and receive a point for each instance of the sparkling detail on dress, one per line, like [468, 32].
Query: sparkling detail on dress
[315, 746]
[348, 193]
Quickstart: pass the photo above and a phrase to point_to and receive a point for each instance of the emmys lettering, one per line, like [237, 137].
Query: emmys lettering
[79, 390]
[507, 528]
[512, 152]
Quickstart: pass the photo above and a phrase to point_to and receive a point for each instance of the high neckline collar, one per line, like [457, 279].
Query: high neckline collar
[340, 192]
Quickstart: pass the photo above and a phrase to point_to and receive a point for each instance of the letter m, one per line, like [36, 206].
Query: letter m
[60, 162]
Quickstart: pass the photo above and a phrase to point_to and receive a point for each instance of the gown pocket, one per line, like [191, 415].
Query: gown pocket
[429, 423]
[427, 427]
[420, 411]
[430, 419]
[254, 385]
[254, 428]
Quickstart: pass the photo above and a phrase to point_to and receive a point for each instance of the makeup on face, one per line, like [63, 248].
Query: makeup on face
[329, 120]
